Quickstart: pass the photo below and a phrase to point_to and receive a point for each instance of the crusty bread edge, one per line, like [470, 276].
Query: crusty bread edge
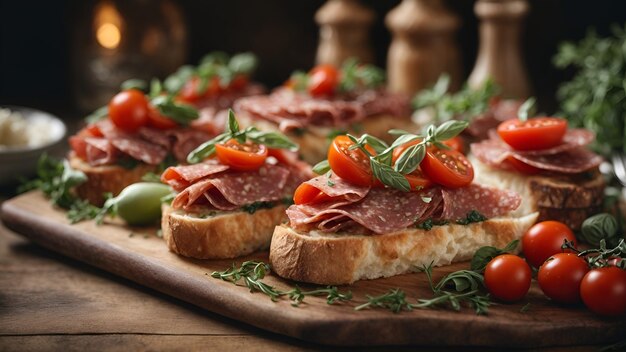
[222, 236]
[344, 259]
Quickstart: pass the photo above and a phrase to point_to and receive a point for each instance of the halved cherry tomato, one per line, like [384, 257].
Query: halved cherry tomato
[533, 134]
[350, 164]
[456, 143]
[323, 80]
[507, 277]
[283, 156]
[447, 167]
[522, 166]
[242, 157]
[544, 240]
[190, 93]
[156, 120]
[604, 290]
[560, 276]
[93, 131]
[307, 194]
[128, 110]
[170, 174]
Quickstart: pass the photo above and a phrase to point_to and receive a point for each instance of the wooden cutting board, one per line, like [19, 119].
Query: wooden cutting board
[141, 256]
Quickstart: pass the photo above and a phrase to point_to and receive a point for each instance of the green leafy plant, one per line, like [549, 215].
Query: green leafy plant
[595, 98]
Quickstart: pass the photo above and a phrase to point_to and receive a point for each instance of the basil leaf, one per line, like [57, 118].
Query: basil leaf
[449, 129]
[98, 115]
[484, 255]
[378, 145]
[405, 139]
[387, 175]
[322, 167]
[233, 125]
[527, 109]
[598, 227]
[156, 88]
[299, 81]
[272, 140]
[243, 63]
[206, 149]
[179, 112]
[175, 82]
[134, 83]
[397, 132]
[410, 159]
[215, 57]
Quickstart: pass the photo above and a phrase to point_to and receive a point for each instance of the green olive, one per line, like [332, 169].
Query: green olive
[140, 203]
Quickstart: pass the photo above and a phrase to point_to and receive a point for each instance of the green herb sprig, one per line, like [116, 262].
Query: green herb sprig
[233, 131]
[354, 76]
[599, 257]
[252, 273]
[464, 104]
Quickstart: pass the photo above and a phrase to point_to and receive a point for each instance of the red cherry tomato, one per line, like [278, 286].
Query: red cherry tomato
[158, 121]
[507, 277]
[533, 134]
[560, 276]
[456, 143]
[323, 80]
[93, 131]
[522, 167]
[544, 240]
[350, 164]
[238, 83]
[604, 291]
[190, 92]
[448, 168]
[241, 157]
[307, 194]
[128, 110]
[417, 179]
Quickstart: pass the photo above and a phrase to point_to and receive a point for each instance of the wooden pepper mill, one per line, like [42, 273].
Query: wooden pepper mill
[499, 54]
[344, 27]
[423, 46]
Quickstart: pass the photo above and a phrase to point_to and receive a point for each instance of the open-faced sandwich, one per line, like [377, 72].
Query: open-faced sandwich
[233, 194]
[134, 134]
[548, 164]
[383, 210]
[311, 108]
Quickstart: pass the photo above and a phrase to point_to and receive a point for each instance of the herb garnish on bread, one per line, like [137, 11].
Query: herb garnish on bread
[384, 210]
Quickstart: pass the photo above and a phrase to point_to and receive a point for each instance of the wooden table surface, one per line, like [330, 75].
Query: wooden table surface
[50, 302]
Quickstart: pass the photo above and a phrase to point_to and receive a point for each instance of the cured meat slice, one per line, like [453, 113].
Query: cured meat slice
[191, 173]
[211, 120]
[572, 161]
[337, 187]
[488, 201]
[155, 136]
[185, 141]
[574, 138]
[149, 153]
[100, 151]
[190, 195]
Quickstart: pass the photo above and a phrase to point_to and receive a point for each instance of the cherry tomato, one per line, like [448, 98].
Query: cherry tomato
[323, 80]
[350, 164]
[456, 143]
[417, 179]
[190, 92]
[93, 131]
[447, 167]
[560, 277]
[307, 194]
[242, 157]
[615, 261]
[533, 134]
[239, 82]
[544, 240]
[156, 120]
[128, 110]
[604, 290]
[507, 277]
[522, 167]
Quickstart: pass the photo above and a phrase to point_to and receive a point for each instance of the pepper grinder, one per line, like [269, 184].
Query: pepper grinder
[344, 27]
[423, 46]
[499, 54]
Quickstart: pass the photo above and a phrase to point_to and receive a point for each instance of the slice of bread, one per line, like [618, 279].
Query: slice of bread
[566, 198]
[315, 140]
[106, 178]
[219, 234]
[335, 259]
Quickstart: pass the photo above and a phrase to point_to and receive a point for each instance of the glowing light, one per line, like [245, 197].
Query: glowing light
[108, 35]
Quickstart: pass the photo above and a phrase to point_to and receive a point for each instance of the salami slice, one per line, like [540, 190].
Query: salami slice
[100, 151]
[149, 153]
[155, 136]
[185, 141]
[194, 172]
[488, 201]
[337, 187]
[571, 161]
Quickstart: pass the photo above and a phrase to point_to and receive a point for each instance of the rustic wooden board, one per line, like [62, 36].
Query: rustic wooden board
[139, 255]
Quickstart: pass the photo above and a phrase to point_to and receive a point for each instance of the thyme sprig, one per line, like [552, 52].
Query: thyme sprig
[599, 257]
[252, 273]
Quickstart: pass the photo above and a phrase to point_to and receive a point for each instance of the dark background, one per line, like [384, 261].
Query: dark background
[35, 40]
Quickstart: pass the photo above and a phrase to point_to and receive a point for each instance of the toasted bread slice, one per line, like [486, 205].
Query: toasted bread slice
[315, 140]
[106, 179]
[219, 235]
[565, 198]
[335, 259]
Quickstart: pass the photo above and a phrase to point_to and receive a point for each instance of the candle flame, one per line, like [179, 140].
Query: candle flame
[108, 25]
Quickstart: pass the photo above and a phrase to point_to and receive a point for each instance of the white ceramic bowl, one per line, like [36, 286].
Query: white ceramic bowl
[21, 162]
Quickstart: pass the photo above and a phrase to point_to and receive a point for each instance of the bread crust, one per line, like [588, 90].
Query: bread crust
[335, 259]
[106, 178]
[225, 235]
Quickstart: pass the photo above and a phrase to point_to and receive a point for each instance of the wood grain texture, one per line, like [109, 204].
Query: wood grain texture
[143, 258]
